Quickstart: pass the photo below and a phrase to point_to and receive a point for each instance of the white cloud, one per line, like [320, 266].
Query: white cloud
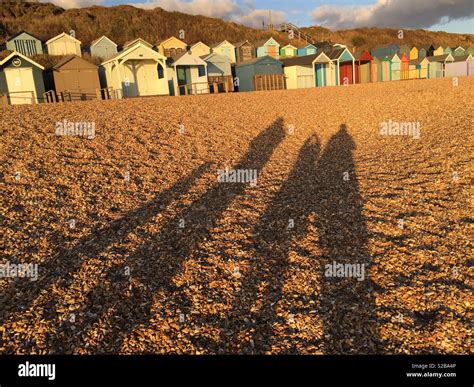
[394, 13]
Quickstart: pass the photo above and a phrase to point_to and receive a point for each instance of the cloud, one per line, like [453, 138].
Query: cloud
[73, 3]
[394, 13]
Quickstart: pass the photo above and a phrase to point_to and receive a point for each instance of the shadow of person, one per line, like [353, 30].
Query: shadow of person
[154, 264]
[285, 218]
[324, 185]
[347, 300]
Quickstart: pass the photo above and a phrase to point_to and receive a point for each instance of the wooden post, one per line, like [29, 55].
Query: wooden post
[226, 86]
[98, 93]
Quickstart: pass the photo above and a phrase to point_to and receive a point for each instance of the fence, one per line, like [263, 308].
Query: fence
[70, 95]
[225, 83]
[269, 82]
[194, 88]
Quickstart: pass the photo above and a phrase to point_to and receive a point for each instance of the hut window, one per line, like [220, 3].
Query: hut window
[160, 71]
[201, 71]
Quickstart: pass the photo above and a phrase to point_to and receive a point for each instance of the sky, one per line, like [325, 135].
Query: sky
[436, 15]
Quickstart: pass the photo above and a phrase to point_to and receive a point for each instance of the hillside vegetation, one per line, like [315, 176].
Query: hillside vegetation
[124, 23]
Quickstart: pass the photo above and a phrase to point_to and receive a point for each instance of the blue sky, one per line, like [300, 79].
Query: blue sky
[443, 15]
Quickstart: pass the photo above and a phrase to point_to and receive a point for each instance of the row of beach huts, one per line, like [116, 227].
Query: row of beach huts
[58, 70]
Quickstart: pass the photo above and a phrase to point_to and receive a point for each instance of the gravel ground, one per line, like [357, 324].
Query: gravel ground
[141, 250]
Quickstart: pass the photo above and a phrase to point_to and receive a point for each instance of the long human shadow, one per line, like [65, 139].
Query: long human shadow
[327, 187]
[347, 303]
[67, 261]
[154, 264]
[286, 218]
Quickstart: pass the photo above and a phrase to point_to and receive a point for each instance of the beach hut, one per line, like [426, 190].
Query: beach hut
[309, 49]
[461, 66]
[24, 43]
[385, 50]
[377, 69]
[269, 47]
[436, 68]
[426, 50]
[384, 69]
[244, 51]
[364, 67]
[187, 74]
[448, 50]
[325, 70]
[459, 51]
[414, 53]
[288, 51]
[308, 71]
[21, 79]
[103, 48]
[261, 73]
[200, 49]
[219, 71]
[395, 67]
[418, 68]
[73, 79]
[136, 71]
[172, 47]
[404, 66]
[438, 51]
[345, 67]
[63, 44]
[226, 49]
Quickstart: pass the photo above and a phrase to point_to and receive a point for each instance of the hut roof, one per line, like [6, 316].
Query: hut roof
[15, 53]
[462, 58]
[241, 43]
[439, 58]
[60, 36]
[19, 33]
[299, 60]
[99, 39]
[256, 60]
[69, 58]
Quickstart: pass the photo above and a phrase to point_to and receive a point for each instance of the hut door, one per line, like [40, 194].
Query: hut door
[21, 85]
[246, 53]
[272, 51]
[345, 70]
